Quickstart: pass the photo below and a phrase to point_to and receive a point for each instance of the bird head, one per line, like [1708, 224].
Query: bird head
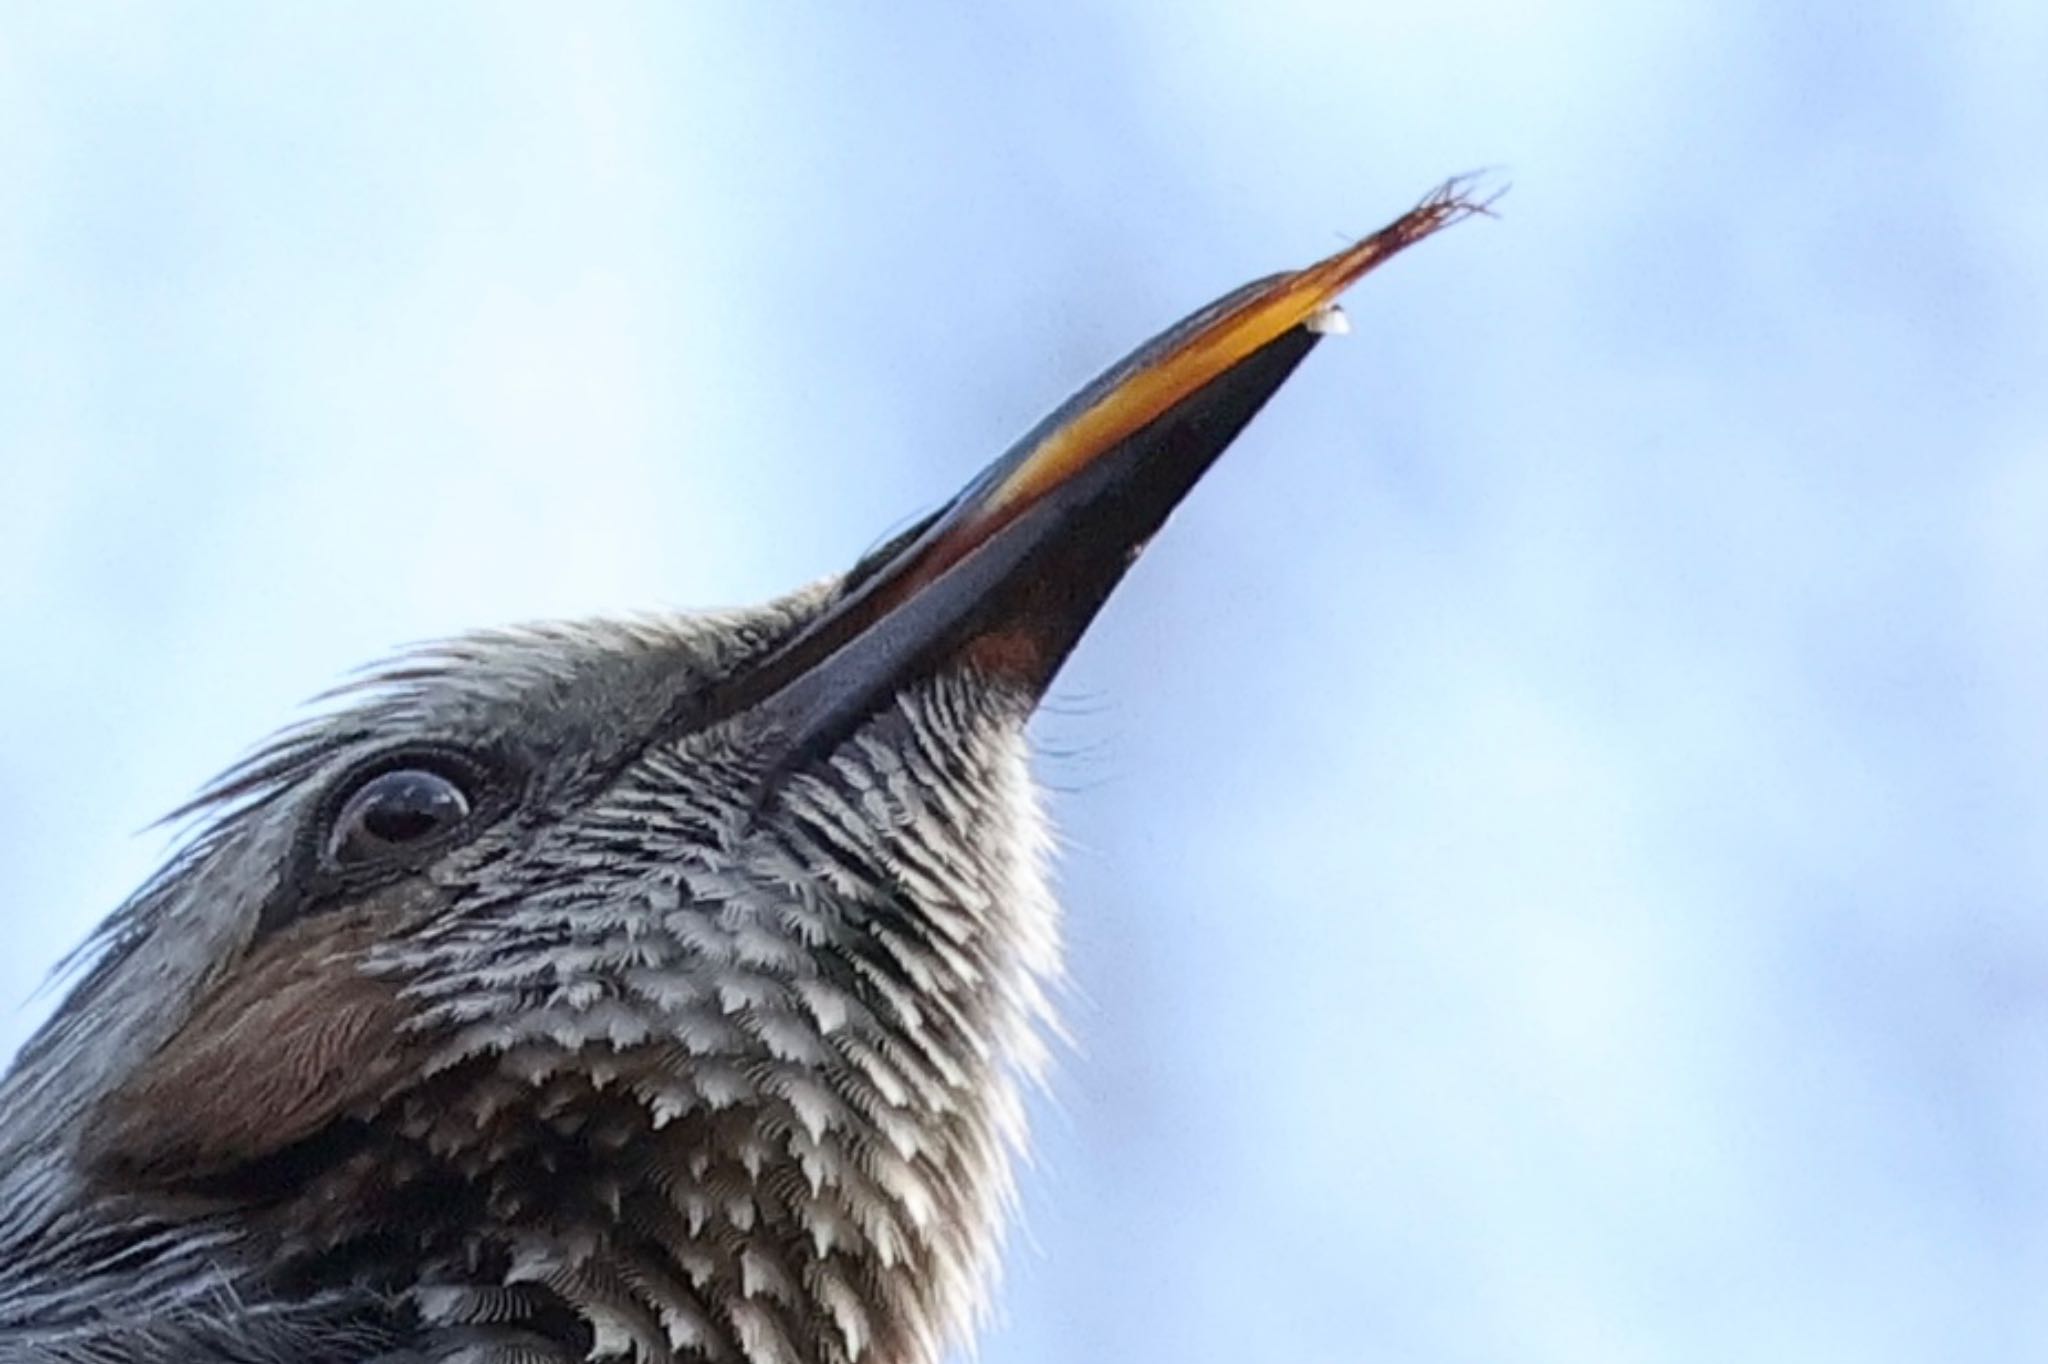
[656, 988]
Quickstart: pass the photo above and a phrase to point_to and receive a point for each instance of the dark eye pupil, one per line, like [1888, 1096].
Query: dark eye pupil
[394, 810]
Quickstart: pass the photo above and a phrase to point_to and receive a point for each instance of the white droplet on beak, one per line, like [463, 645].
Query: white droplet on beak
[1328, 320]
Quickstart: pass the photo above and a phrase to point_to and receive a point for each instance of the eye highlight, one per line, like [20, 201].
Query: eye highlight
[396, 812]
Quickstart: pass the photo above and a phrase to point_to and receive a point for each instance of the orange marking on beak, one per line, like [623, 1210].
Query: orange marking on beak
[1263, 313]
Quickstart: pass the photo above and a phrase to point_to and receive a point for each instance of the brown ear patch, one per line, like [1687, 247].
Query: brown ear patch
[294, 1038]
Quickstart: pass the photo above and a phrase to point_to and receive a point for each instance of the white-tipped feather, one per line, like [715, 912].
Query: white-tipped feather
[726, 1083]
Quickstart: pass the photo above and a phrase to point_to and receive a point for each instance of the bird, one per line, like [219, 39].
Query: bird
[664, 988]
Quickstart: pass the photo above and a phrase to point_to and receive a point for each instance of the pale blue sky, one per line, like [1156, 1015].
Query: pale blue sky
[1558, 827]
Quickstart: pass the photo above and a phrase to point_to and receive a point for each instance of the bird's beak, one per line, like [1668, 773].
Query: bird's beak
[1008, 574]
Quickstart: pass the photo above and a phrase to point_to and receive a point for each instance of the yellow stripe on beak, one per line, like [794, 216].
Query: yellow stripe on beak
[1256, 316]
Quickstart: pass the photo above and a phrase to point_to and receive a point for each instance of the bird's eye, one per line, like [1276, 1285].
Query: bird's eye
[394, 812]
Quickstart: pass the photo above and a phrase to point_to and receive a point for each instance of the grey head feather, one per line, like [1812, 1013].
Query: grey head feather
[687, 1073]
